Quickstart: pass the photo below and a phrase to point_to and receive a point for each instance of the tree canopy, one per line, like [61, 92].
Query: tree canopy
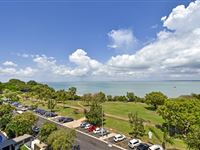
[61, 139]
[155, 99]
[46, 129]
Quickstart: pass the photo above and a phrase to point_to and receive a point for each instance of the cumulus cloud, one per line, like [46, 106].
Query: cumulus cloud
[25, 72]
[122, 39]
[9, 63]
[84, 65]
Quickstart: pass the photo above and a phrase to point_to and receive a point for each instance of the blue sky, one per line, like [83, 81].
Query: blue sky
[104, 32]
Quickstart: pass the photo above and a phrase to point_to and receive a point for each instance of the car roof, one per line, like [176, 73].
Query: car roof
[118, 135]
[134, 140]
[156, 146]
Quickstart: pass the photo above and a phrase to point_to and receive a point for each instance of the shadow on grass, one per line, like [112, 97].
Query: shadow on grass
[150, 108]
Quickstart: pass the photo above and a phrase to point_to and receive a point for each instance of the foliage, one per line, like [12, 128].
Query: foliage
[6, 115]
[51, 104]
[21, 124]
[180, 114]
[61, 139]
[94, 115]
[46, 129]
[87, 98]
[12, 96]
[137, 125]
[72, 93]
[193, 138]
[131, 96]
[120, 98]
[155, 99]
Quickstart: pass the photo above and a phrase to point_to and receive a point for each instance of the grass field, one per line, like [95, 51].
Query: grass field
[122, 109]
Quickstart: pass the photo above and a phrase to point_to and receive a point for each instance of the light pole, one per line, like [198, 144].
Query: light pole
[102, 120]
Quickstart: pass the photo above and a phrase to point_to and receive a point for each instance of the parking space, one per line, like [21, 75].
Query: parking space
[123, 143]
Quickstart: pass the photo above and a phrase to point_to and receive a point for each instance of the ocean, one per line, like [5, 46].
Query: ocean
[140, 88]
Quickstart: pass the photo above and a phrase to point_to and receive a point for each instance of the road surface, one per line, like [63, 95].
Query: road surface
[85, 142]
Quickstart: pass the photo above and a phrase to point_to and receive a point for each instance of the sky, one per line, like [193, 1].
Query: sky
[62, 40]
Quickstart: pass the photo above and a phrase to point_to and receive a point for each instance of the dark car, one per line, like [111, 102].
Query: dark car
[60, 119]
[40, 111]
[83, 124]
[36, 129]
[142, 146]
[50, 114]
[75, 147]
[67, 120]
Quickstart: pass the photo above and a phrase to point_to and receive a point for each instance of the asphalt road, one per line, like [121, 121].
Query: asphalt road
[85, 142]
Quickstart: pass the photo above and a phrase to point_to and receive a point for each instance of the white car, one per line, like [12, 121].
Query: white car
[156, 147]
[134, 143]
[97, 130]
[119, 137]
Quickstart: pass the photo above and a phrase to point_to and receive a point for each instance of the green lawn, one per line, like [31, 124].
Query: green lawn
[122, 109]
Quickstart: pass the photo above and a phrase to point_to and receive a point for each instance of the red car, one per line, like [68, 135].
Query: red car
[91, 128]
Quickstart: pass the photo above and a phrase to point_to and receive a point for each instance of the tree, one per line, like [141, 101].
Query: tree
[21, 124]
[109, 98]
[6, 115]
[137, 125]
[72, 92]
[61, 139]
[180, 114]
[87, 98]
[46, 129]
[51, 104]
[94, 115]
[99, 97]
[193, 138]
[155, 99]
[131, 96]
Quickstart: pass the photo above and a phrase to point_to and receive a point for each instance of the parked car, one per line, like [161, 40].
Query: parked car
[97, 130]
[133, 143]
[91, 128]
[76, 147]
[67, 119]
[40, 111]
[156, 147]
[35, 129]
[119, 137]
[50, 114]
[142, 146]
[83, 124]
[103, 132]
[87, 125]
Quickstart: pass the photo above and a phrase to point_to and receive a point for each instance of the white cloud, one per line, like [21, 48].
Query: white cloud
[122, 39]
[25, 72]
[184, 19]
[9, 63]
